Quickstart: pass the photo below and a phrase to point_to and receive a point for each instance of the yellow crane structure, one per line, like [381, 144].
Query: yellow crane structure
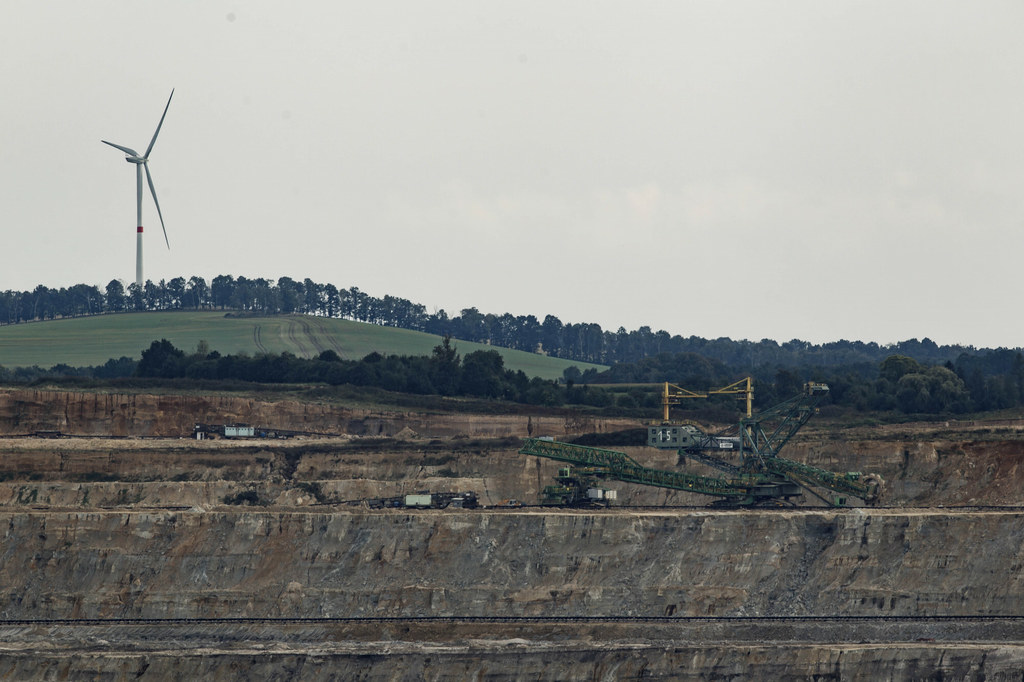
[672, 394]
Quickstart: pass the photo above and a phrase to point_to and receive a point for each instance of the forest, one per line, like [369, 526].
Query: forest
[913, 377]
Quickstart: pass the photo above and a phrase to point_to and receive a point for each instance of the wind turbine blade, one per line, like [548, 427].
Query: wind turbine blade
[152, 190]
[124, 149]
[153, 141]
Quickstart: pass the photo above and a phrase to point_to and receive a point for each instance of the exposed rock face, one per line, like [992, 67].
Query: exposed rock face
[511, 660]
[172, 416]
[177, 528]
[185, 472]
[486, 563]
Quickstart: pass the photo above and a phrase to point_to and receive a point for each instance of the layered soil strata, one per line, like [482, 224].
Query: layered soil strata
[519, 659]
[123, 525]
[96, 472]
[25, 412]
[390, 563]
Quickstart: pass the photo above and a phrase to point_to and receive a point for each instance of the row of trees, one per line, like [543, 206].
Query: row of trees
[224, 292]
[480, 374]
[986, 381]
[939, 378]
[989, 381]
[582, 342]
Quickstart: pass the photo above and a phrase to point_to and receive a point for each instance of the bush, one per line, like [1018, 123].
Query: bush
[250, 497]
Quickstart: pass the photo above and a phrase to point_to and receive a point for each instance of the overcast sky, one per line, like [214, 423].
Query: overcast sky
[811, 170]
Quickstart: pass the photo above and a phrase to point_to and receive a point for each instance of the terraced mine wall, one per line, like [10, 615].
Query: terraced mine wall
[171, 416]
[186, 554]
[935, 470]
[213, 569]
[514, 661]
[106, 564]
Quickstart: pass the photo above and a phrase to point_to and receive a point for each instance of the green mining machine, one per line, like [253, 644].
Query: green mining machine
[747, 455]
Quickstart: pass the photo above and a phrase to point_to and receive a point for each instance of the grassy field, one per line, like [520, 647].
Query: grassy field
[94, 340]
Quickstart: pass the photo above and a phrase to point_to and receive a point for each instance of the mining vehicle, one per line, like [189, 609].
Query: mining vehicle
[426, 500]
[576, 488]
[747, 454]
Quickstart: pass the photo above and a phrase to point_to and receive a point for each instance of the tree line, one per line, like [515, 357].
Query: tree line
[581, 342]
[974, 382]
[480, 374]
[945, 379]
[991, 381]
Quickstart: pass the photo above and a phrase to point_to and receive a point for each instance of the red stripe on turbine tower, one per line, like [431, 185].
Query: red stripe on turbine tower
[140, 228]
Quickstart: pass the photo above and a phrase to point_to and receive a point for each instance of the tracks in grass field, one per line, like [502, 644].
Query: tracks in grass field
[308, 338]
[257, 338]
[329, 341]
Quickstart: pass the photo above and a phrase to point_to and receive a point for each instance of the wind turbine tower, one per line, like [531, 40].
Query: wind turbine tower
[142, 161]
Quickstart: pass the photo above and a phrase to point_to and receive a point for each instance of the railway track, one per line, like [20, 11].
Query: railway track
[705, 508]
[327, 507]
[517, 620]
[937, 508]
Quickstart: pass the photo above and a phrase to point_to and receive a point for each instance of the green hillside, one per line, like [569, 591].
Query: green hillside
[94, 340]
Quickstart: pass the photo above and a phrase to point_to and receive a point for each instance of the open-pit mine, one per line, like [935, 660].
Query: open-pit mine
[134, 549]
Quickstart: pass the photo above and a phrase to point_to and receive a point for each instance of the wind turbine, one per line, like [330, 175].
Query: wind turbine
[142, 161]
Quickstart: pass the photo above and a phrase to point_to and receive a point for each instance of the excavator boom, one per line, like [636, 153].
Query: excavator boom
[619, 466]
[850, 483]
[760, 475]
